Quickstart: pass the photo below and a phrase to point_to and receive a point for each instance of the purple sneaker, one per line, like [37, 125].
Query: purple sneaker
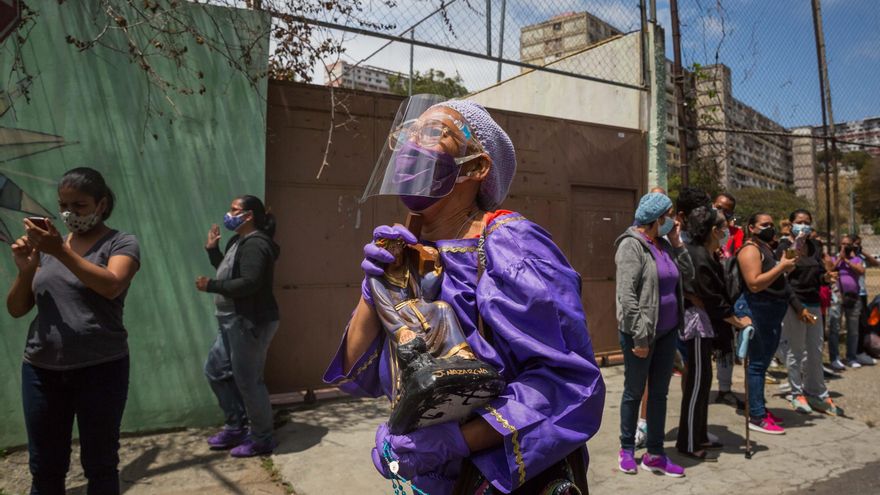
[626, 462]
[227, 438]
[252, 448]
[661, 464]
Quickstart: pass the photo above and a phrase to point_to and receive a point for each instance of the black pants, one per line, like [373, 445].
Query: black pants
[692, 427]
[863, 325]
[96, 397]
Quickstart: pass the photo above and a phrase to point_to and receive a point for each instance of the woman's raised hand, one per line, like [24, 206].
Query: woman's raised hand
[213, 237]
[25, 256]
[48, 241]
[375, 257]
[788, 264]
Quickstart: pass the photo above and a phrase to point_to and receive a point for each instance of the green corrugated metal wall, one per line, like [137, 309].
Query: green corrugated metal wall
[169, 191]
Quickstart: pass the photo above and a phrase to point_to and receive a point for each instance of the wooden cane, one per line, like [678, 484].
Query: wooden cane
[746, 408]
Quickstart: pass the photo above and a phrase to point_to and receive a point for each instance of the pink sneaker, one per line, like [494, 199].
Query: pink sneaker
[661, 464]
[766, 425]
[626, 462]
[776, 419]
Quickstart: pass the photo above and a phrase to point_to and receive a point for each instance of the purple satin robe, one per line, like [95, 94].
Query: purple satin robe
[529, 296]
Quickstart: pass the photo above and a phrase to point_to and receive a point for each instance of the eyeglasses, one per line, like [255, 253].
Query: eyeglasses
[428, 133]
[728, 215]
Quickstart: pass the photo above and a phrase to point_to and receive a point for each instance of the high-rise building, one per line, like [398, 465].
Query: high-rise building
[345, 75]
[856, 132]
[742, 160]
[542, 43]
[803, 160]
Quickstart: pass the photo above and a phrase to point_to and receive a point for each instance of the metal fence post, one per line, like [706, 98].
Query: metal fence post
[489, 27]
[501, 39]
[678, 77]
[412, 46]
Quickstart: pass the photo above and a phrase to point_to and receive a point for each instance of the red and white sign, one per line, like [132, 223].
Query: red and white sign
[10, 17]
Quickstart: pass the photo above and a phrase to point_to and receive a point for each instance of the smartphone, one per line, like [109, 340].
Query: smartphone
[39, 222]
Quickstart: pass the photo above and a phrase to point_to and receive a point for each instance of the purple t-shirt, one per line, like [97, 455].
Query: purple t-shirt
[849, 279]
[667, 272]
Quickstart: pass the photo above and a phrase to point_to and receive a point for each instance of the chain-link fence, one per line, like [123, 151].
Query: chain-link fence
[754, 87]
[477, 43]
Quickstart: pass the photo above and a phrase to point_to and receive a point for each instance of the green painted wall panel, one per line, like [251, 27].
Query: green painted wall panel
[169, 191]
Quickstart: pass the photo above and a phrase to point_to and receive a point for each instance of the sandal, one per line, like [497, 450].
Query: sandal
[712, 446]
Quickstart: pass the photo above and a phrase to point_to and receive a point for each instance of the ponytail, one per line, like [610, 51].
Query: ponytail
[264, 220]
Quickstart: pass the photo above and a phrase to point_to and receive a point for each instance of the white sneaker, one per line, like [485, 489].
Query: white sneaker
[865, 360]
[853, 364]
[837, 365]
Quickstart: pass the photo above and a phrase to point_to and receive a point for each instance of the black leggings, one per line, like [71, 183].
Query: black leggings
[693, 425]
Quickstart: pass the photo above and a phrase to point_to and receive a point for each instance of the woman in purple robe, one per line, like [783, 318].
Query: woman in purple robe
[517, 300]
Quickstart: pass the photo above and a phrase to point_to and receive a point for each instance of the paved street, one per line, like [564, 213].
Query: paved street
[327, 446]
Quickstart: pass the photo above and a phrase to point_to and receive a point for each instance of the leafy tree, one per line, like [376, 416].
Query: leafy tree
[852, 160]
[433, 81]
[777, 203]
[867, 192]
[162, 38]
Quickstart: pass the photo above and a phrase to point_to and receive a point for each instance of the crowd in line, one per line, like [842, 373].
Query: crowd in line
[512, 291]
[690, 278]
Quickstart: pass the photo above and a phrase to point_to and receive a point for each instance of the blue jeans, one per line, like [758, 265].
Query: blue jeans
[836, 313]
[656, 369]
[235, 368]
[96, 397]
[767, 315]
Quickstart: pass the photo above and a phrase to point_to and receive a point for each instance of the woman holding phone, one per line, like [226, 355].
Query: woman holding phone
[802, 329]
[849, 268]
[765, 301]
[76, 361]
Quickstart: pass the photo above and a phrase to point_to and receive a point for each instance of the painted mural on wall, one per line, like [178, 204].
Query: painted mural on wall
[16, 143]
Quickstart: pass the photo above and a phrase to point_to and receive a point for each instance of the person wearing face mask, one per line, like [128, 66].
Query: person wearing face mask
[862, 355]
[726, 203]
[650, 310]
[802, 329]
[517, 300]
[248, 318]
[708, 232]
[849, 267]
[765, 301]
[76, 361]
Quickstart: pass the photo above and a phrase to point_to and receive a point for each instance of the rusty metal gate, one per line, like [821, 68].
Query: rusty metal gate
[580, 181]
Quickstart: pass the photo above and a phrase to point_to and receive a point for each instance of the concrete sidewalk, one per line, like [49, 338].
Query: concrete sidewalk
[325, 448]
[329, 446]
[173, 463]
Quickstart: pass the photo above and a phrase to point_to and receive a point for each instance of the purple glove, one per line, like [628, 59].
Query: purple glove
[425, 450]
[375, 257]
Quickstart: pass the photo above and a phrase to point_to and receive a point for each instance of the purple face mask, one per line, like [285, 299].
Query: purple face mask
[423, 173]
[418, 203]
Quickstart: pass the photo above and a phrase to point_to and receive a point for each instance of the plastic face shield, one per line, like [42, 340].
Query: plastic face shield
[423, 152]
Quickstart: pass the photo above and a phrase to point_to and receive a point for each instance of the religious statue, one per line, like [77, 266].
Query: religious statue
[437, 377]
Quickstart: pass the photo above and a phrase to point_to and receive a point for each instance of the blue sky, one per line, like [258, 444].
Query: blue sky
[768, 44]
[770, 48]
